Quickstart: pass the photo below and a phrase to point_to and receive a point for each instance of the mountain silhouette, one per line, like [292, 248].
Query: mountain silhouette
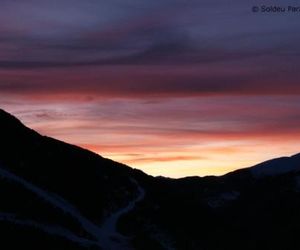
[57, 196]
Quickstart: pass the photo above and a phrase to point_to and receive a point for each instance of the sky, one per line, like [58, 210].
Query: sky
[172, 87]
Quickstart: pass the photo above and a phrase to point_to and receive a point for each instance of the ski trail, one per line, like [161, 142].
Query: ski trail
[106, 234]
[65, 206]
[110, 235]
[59, 231]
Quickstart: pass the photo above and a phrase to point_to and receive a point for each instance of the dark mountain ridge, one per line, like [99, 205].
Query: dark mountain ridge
[59, 196]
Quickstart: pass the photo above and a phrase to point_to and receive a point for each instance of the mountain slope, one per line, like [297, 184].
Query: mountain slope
[85, 187]
[58, 196]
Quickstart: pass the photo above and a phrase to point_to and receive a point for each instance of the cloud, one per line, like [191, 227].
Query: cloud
[138, 81]
[131, 49]
[56, 34]
[155, 81]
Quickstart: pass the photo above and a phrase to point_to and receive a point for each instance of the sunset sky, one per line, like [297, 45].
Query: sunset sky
[172, 87]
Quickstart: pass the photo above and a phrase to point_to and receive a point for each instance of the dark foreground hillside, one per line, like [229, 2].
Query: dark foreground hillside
[58, 196]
